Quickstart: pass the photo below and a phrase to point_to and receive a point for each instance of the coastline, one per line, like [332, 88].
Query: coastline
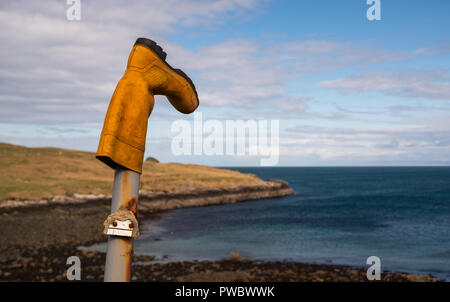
[152, 202]
[28, 253]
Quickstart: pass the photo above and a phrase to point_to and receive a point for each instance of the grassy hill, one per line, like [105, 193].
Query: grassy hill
[36, 173]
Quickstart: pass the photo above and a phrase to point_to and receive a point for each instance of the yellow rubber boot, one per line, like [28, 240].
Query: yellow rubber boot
[122, 142]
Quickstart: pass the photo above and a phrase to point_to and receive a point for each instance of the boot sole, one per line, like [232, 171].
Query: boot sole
[162, 55]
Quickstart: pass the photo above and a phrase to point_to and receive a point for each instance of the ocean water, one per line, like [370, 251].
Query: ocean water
[338, 215]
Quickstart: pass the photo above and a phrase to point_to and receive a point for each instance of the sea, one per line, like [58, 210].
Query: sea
[338, 215]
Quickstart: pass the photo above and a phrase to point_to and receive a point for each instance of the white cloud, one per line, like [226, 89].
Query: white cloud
[59, 68]
[432, 84]
[54, 71]
[319, 56]
[328, 144]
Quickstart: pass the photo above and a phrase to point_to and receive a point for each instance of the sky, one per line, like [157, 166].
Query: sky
[346, 91]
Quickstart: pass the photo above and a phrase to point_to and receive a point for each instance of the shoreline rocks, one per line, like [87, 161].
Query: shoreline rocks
[151, 202]
[50, 265]
[77, 220]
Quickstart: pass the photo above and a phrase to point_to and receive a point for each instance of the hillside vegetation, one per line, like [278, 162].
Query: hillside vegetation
[37, 173]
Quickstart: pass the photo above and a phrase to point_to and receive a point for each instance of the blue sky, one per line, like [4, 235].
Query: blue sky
[346, 91]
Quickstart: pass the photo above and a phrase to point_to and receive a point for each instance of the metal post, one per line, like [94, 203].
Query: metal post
[120, 249]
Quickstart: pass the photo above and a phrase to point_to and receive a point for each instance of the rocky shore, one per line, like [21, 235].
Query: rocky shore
[151, 202]
[39, 236]
[50, 265]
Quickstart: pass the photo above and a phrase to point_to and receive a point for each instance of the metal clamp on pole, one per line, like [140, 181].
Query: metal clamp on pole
[123, 223]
